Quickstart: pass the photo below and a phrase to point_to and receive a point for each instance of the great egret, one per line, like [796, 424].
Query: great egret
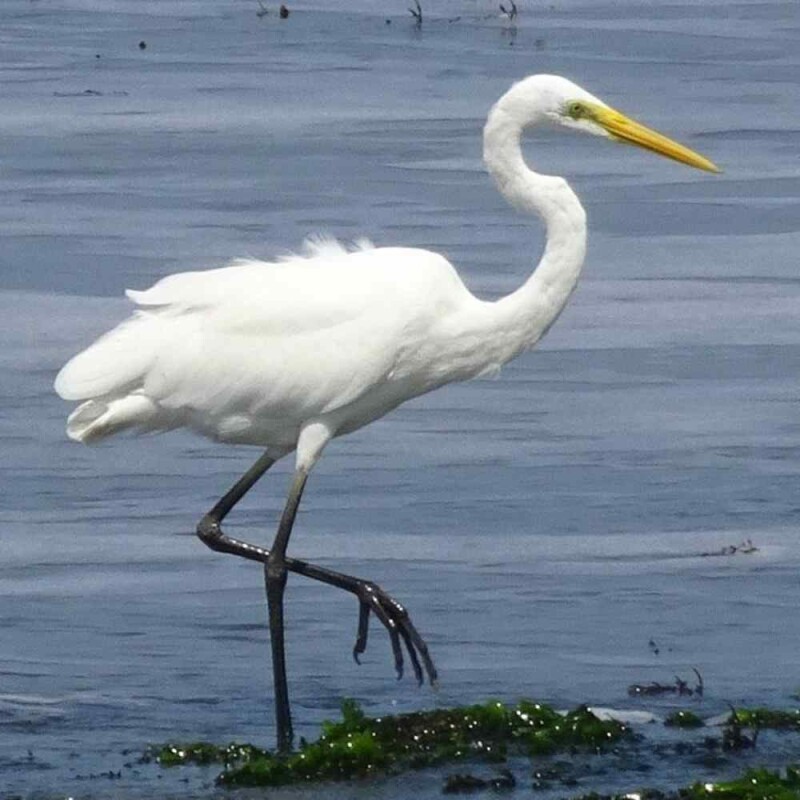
[289, 354]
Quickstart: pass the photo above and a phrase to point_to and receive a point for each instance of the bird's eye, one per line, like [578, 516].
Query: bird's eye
[576, 109]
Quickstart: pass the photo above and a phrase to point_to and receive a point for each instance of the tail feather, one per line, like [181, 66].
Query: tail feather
[96, 419]
[113, 365]
[108, 376]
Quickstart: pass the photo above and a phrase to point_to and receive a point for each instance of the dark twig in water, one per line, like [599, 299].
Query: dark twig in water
[732, 736]
[698, 690]
[466, 783]
[511, 11]
[262, 12]
[417, 13]
[680, 687]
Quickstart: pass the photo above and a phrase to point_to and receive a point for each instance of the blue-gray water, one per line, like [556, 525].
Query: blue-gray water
[543, 526]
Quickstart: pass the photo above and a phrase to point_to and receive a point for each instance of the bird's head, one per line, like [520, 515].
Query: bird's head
[564, 103]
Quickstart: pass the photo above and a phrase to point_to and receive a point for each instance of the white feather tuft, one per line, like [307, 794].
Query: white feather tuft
[325, 247]
[96, 419]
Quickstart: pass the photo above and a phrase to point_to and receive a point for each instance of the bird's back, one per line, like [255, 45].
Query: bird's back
[250, 352]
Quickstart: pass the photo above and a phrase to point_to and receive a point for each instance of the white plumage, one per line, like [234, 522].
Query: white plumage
[289, 354]
[251, 352]
[255, 352]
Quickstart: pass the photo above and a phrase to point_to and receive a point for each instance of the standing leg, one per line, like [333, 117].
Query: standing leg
[392, 615]
[275, 575]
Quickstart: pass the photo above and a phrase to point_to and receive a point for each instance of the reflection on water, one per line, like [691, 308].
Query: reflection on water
[543, 527]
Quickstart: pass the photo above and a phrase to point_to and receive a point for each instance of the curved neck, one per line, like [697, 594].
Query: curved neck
[517, 321]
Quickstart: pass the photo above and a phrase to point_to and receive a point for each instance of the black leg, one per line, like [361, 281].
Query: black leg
[209, 526]
[275, 576]
[372, 599]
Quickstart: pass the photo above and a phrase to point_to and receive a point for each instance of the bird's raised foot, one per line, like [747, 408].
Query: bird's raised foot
[394, 617]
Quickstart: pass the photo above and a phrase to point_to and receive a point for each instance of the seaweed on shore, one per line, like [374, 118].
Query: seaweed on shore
[360, 746]
[774, 719]
[755, 784]
[683, 719]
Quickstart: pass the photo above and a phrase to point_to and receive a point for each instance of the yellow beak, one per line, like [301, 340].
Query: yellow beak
[627, 130]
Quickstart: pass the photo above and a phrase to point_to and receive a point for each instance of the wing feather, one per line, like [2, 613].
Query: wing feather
[285, 340]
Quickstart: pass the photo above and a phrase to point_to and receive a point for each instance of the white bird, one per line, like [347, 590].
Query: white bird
[290, 354]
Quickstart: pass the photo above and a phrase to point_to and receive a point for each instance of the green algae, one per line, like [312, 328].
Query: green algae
[755, 784]
[359, 746]
[202, 753]
[754, 718]
[774, 719]
[683, 719]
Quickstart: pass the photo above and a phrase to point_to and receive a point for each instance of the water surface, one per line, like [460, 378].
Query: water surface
[542, 527]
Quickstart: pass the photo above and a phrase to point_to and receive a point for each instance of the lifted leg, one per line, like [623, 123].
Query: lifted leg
[372, 599]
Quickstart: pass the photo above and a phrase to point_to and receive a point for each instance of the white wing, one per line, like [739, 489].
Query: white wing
[251, 351]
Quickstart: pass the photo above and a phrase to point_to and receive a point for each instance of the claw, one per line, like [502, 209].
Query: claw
[363, 630]
[422, 649]
[394, 638]
[398, 653]
[413, 657]
[394, 617]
